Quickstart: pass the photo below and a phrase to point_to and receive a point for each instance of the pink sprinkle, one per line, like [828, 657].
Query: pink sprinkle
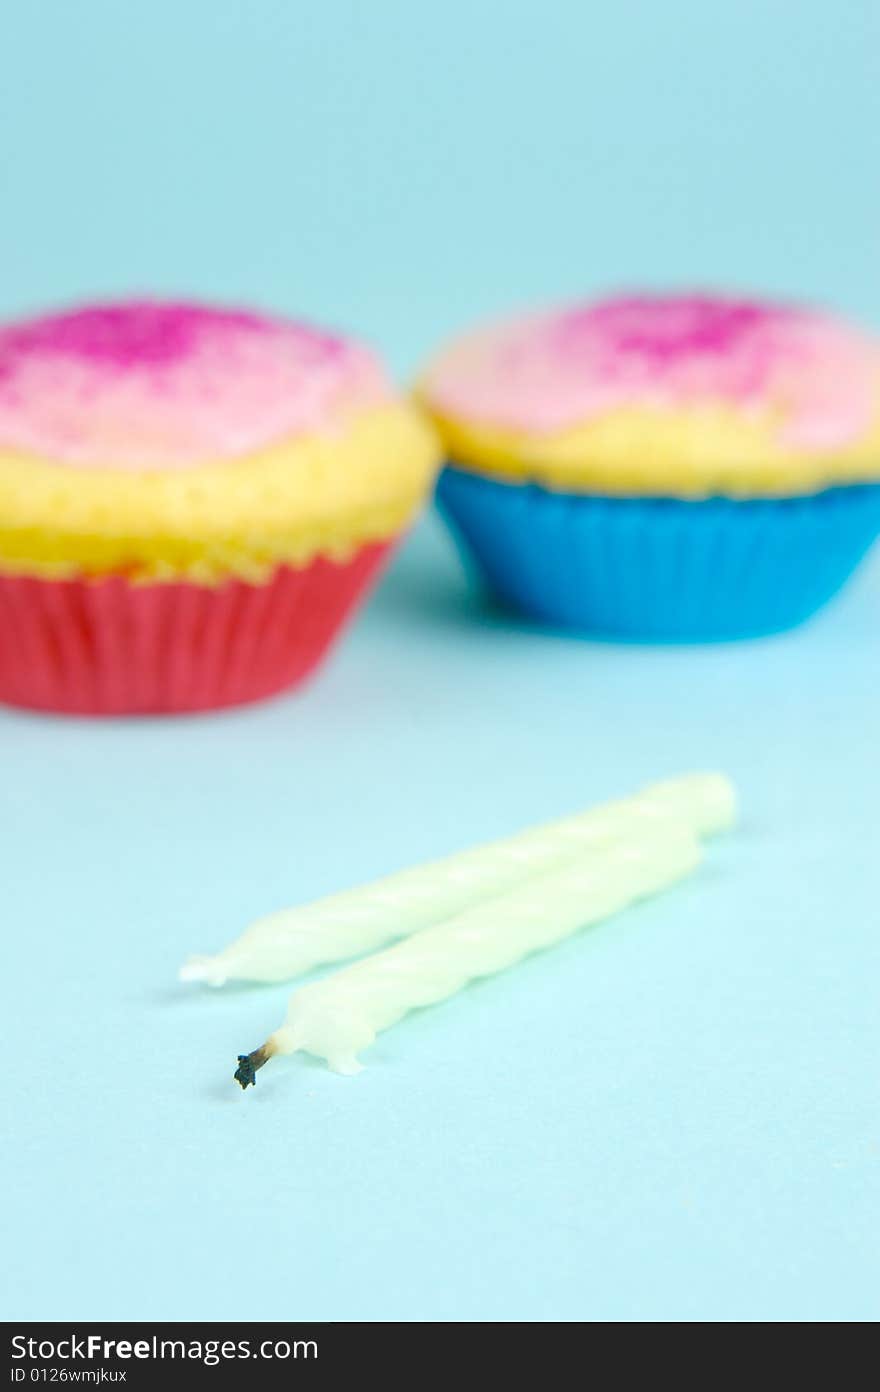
[815, 376]
[148, 383]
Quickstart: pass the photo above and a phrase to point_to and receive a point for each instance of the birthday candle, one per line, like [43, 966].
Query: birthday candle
[287, 944]
[340, 1015]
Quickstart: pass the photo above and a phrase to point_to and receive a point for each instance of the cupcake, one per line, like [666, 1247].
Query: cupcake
[192, 501]
[662, 467]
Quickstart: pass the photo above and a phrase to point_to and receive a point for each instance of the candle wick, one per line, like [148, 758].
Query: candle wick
[246, 1072]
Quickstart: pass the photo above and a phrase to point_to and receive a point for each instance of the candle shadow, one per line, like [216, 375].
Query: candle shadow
[228, 1092]
[189, 994]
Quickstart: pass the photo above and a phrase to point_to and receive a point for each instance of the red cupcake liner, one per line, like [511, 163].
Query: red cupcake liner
[109, 647]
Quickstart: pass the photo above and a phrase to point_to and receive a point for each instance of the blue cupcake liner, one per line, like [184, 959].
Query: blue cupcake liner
[660, 569]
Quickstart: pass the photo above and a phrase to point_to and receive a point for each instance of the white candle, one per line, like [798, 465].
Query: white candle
[287, 944]
[340, 1015]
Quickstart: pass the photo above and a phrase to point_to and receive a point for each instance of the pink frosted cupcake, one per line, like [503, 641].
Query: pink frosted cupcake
[662, 466]
[191, 502]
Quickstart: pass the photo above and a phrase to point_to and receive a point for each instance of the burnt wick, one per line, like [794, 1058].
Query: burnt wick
[246, 1072]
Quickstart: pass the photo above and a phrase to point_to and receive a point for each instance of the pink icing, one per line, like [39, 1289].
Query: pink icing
[551, 371]
[149, 384]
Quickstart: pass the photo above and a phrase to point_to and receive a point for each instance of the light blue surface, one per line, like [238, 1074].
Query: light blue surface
[674, 1117]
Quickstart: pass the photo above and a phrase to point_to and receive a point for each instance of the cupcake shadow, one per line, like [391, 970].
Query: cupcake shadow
[438, 583]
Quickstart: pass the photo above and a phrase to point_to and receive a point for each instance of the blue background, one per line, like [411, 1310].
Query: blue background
[672, 1118]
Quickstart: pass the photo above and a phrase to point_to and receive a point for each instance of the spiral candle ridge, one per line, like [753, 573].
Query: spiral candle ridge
[290, 943]
[338, 1017]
